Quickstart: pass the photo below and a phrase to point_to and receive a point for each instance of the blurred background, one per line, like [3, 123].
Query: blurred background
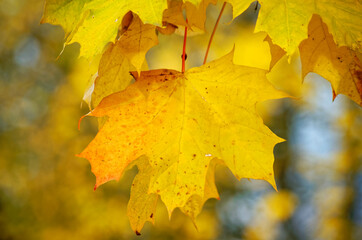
[47, 193]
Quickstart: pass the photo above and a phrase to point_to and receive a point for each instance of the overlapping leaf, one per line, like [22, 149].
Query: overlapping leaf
[125, 55]
[196, 14]
[94, 23]
[113, 74]
[239, 6]
[136, 41]
[286, 22]
[319, 53]
[339, 65]
[66, 13]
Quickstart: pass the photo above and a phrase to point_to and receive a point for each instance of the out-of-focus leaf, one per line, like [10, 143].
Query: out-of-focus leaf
[280, 205]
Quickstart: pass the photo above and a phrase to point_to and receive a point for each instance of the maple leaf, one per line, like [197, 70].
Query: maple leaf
[125, 55]
[137, 40]
[195, 14]
[113, 73]
[173, 14]
[181, 122]
[286, 21]
[342, 18]
[339, 65]
[94, 23]
[239, 6]
[276, 52]
[64, 13]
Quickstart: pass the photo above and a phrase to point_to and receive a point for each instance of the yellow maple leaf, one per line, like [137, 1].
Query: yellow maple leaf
[137, 40]
[343, 18]
[286, 22]
[339, 65]
[276, 52]
[64, 13]
[181, 121]
[195, 14]
[94, 23]
[125, 55]
[239, 6]
[173, 14]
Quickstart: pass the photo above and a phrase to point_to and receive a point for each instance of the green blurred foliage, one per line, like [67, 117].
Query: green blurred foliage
[47, 193]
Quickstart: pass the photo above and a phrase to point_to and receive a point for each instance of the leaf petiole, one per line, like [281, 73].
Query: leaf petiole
[213, 32]
[184, 49]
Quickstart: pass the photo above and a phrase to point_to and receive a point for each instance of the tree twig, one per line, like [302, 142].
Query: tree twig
[184, 49]
[213, 32]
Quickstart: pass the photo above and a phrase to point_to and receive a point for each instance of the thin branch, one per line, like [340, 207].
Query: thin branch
[184, 49]
[213, 32]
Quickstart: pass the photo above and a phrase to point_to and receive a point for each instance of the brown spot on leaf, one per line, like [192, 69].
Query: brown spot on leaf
[151, 216]
[138, 233]
[334, 94]
[358, 76]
